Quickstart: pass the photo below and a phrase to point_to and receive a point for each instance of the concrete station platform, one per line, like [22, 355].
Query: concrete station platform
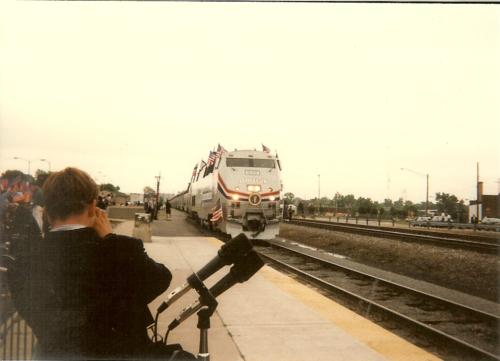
[270, 317]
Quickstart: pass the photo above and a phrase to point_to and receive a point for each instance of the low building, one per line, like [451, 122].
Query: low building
[115, 198]
[120, 199]
[489, 206]
[136, 197]
[166, 196]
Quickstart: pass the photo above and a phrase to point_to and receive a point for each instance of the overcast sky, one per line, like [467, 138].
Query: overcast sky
[351, 92]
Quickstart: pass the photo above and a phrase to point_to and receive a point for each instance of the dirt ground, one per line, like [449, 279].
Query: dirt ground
[466, 271]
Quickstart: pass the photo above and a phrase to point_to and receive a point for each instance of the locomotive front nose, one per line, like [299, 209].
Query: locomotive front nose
[255, 222]
[254, 225]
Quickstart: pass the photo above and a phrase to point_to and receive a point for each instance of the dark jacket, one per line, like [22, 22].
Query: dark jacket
[89, 296]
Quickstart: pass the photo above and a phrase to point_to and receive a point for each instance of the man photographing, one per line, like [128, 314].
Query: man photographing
[87, 289]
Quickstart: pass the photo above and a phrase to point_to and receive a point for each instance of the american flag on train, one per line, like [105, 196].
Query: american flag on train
[265, 149]
[211, 158]
[217, 213]
[202, 166]
[220, 150]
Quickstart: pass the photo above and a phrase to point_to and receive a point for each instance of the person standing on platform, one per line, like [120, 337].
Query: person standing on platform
[101, 203]
[168, 210]
[87, 290]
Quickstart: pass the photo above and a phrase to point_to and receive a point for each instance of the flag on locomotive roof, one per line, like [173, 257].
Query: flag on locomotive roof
[220, 150]
[265, 149]
[217, 213]
[202, 166]
[211, 158]
[209, 164]
[194, 172]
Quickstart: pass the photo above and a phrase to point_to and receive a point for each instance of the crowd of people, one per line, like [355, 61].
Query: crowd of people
[21, 193]
[104, 202]
[83, 290]
[152, 207]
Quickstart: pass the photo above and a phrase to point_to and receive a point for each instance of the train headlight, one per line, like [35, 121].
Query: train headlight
[236, 197]
[253, 188]
[272, 198]
[270, 189]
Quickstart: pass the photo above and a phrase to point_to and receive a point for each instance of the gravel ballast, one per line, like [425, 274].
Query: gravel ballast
[466, 271]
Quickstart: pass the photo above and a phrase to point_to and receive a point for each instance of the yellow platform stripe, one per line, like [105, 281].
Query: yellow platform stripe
[376, 337]
[379, 339]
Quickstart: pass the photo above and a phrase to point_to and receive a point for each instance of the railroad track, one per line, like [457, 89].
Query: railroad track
[459, 327]
[447, 240]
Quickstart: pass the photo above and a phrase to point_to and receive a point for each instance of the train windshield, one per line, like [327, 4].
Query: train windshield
[250, 163]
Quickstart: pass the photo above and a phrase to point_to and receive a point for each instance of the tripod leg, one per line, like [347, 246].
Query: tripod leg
[203, 354]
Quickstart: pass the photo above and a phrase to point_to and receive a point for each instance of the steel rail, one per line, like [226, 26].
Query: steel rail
[386, 281]
[416, 230]
[424, 327]
[485, 355]
[492, 248]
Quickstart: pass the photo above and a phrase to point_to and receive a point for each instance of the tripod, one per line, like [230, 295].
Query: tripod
[209, 304]
[244, 267]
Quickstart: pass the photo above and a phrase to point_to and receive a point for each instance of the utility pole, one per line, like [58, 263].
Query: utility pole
[319, 193]
[158, 177]
[319, 186]
[336, 202]
[427, 197]
[478, 196]
[426, 189]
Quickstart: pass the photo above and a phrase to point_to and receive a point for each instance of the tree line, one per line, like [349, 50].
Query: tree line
[341, 205]
[42, 175]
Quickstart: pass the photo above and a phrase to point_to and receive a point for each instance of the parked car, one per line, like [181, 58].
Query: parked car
[423, 219]
[442, 218]
[490, 220]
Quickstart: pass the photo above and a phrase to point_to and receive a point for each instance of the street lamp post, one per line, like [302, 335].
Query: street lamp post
[426, 189]
[26, 160]
[33, 160]
[47, 161]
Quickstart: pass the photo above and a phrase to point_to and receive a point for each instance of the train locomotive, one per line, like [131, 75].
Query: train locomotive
[235, 192]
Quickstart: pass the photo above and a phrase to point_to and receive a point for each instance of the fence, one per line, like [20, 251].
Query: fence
[393, 222]
[123, 212]
[17, 340]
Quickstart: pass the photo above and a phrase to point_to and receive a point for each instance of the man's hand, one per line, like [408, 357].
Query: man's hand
[101, 224]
